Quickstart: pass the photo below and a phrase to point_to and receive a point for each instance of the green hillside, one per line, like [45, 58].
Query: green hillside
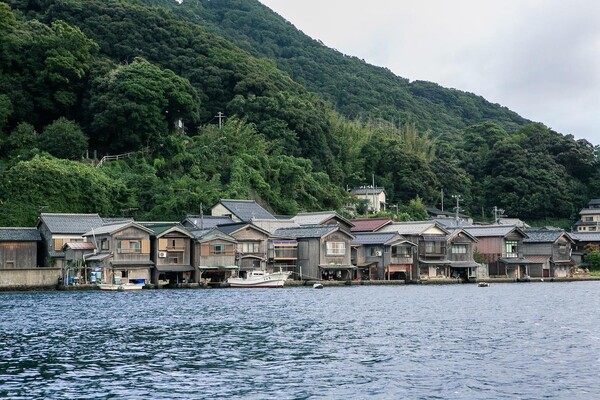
[148, 78]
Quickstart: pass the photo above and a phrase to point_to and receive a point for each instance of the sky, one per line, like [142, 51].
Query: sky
[540, 58]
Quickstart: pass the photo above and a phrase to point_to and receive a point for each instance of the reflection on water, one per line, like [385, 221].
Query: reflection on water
[535, 341]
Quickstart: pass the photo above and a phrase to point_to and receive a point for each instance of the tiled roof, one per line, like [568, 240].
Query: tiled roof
[585, 236]
[71, 223]
[315, 231]
[367, 190]
[543, 235]
[207, 221]
[369, 224]
[594, 202]
[271, 225]
[228, 229]
[316, 218]
[513, 221]
[111, 228]
[589, 211]
[19, 235]
[373, 238]
[490, 230]
[246, 209]
[452, 222]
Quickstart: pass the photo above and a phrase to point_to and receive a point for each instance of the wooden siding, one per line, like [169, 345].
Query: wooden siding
[18, 255]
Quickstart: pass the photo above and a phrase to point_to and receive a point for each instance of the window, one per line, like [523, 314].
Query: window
[336, 248]
[562, 248]
[401, 251]
[459, 249]
[217, 249]
[249, 247]
[375, 251]
[173, 259]
[588, 219]
[104, 244]
[129, 246]
[58, 244]
[511, 248]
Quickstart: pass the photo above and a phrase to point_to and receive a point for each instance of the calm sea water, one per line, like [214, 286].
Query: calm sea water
[528, 341]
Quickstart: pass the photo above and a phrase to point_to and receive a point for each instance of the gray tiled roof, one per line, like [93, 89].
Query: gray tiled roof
[71, 223]
[586, 236]
[246, 209]
[320, 217]
[490, 230]
[230, 228]
[543, 235]
[410, 228]
[314, 231]
[19, 235]
[452, 222]
[373, 237]
[111, 228]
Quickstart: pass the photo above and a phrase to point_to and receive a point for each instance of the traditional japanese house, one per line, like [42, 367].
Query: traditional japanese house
[251, 246]
[549, 250]
[323, 252]
[20, 248]
[501, 248]
[282, 253]
[430, 260]
[59, 229]
[383, 255]
[171, 250]
[123, 252]
[583, 242]
[75, 267]
[460, 255]
[240, 210]
[374, 197]
[213, 255]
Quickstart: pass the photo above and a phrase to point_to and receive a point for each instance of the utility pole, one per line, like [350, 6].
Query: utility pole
[497, 214]
[201, 217]
[457, 208]
[442, 199]
[221, 117]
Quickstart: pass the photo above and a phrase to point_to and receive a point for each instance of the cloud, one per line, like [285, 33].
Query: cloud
[540, 58]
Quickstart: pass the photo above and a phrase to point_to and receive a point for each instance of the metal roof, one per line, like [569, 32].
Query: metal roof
[80, 246]
[538, 259]
[411, 228]
[368, 224]
[367, 190]
[70, 223]
[315, 231]
[246, 210]
[207, 221]
[20, 235]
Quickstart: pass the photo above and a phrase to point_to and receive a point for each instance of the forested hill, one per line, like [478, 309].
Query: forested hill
[356, 89]
[148, 77]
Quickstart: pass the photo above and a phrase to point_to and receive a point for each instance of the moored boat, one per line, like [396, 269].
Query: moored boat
[483, 284]
[260, 279]
[120, 287]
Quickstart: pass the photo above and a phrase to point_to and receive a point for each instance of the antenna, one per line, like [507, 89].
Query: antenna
[457, 208]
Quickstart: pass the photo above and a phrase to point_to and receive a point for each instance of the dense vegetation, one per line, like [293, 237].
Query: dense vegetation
[303, 121]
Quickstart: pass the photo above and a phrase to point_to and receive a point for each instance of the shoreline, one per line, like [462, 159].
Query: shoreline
[308, 283]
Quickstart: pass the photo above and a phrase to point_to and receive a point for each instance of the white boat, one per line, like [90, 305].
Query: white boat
[259, 279]
[317, 286]
[483, 284]
[120, 287]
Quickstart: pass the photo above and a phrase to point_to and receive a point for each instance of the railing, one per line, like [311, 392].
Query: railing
[106, 159]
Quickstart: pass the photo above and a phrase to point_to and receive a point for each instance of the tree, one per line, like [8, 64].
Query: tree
[136, 105]
[64, 139]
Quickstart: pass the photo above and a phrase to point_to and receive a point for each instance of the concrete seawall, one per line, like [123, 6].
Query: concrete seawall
[29, 279]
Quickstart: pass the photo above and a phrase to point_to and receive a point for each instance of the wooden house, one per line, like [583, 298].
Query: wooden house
[213, 255]
[383, 255]
[323, 252]
[171, 252]
[20, 248]
[502, 248]
[460, 255]
[430, 261]
[583, 241]
[123, 252]
[549, 250]
[59, 229]
[240, 210]
[251, 245]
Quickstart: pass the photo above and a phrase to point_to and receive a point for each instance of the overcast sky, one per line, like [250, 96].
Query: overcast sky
[540, 58]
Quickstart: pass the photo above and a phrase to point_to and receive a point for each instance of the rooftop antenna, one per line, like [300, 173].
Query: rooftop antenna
[457, 208]
[498, 213]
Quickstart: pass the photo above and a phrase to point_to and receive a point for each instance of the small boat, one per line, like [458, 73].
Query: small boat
[483, 284]
[318, 286]
[120, 287]
[260, 279]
